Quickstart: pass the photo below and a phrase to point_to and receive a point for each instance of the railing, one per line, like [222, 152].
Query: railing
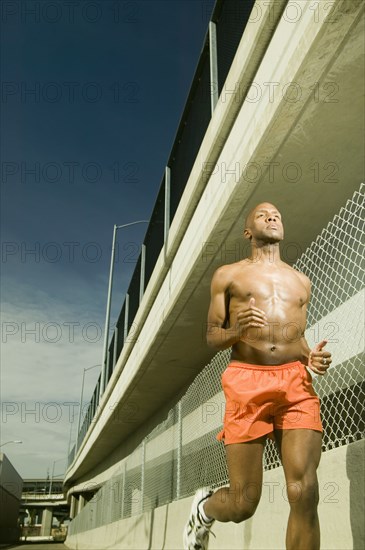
[226, 27]
[30, 497]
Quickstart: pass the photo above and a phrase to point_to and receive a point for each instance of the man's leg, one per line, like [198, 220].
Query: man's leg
[300, 452]
[239, 501]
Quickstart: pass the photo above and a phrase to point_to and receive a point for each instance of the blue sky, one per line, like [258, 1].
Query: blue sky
[91, 98]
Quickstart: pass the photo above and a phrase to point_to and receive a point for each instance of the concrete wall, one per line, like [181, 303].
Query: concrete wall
[341, 511]
[10, 494]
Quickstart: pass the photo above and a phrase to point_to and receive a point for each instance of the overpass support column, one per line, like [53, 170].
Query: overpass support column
[81, 503]
[46, 522]
[73, 504]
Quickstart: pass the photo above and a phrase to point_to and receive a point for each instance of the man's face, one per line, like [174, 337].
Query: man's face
[264, 224]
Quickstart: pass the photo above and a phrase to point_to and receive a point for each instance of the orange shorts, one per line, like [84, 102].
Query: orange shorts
[261, 399]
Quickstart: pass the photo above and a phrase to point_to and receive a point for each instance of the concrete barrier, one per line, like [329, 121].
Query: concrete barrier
[341, 511]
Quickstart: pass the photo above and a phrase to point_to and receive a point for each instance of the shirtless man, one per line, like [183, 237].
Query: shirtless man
[258, 307]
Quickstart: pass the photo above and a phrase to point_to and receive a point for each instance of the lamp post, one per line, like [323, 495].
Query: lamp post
[81, 399]
[13, 441]
[107, 316]
[52, 475]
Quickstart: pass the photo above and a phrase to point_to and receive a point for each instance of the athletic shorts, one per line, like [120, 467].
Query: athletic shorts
[261, 399]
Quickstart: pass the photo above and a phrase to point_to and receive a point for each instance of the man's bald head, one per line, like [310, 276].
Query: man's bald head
[265, 209]
[251, 214]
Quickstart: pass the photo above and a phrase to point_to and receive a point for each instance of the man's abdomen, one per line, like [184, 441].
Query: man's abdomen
[270, 346]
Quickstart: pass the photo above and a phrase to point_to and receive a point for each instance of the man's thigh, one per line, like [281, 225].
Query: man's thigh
[300, 452]
[244, 461]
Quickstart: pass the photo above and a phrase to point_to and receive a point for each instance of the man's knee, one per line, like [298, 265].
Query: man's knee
[243, 501]
[242, 511]
[303, 493]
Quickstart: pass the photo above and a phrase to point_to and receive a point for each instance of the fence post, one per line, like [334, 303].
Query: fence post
[143, 472]
[126, 315]
[167, 202]
[115, 350]
[213, 65]
[179, 450]
[123, 488]
[143, 270]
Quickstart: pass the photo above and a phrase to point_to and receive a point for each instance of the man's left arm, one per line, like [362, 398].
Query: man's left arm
[318, 359]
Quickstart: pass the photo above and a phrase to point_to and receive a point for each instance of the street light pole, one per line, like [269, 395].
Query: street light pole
[81, 400]
[108, 304]
[52, 476]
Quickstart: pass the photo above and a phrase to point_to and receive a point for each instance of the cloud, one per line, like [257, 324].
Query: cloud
[46, 344]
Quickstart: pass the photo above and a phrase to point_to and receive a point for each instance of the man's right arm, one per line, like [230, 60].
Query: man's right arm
[218, 336]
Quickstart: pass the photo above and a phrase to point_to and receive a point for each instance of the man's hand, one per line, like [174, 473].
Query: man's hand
[251, 317]
[319, 360]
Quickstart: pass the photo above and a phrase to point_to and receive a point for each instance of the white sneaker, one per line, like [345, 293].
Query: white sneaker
[196, 531]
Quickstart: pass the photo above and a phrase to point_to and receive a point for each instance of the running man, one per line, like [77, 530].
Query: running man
[258, 306]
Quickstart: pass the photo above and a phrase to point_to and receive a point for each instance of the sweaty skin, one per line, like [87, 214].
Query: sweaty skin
[277, 296]
[258, 305]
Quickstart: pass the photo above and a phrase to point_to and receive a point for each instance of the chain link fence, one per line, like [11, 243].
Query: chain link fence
[182, 454]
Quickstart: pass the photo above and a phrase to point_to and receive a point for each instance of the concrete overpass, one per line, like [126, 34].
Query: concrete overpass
[287, 128]
[42, 501]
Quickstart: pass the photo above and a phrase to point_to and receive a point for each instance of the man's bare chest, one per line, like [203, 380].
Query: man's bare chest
[270, 286]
